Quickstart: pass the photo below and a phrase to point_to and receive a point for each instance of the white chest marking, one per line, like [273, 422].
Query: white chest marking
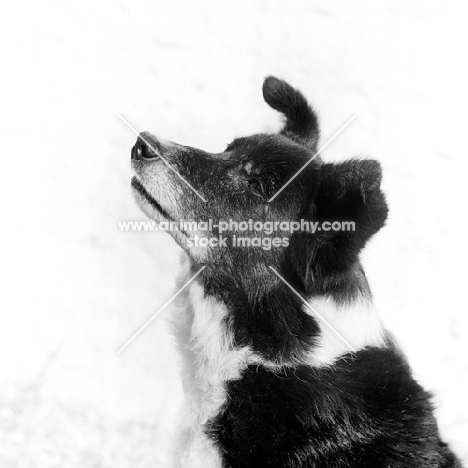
[213, 362]
[211, 344]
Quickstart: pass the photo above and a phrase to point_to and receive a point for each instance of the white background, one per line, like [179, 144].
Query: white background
[75, 288]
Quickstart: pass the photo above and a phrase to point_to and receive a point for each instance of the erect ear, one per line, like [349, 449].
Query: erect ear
[301, 120]
[347, 192]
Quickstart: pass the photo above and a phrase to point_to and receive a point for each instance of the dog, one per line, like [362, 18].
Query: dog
[287, 361]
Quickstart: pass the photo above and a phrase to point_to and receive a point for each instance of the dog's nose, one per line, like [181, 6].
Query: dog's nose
[145, 149]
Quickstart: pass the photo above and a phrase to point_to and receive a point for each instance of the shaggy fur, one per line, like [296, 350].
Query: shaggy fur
[269, 383]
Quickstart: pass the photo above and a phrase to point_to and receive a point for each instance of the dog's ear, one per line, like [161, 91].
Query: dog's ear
[301, 121]
[347, 192]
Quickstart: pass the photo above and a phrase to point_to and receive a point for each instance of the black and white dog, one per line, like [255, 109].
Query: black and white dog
[271, 383]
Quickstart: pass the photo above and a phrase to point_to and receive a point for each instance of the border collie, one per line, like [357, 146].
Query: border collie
[288, 364]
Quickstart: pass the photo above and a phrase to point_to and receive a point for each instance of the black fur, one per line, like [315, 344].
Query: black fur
[301, 120]
[327, 262]
[367, 411]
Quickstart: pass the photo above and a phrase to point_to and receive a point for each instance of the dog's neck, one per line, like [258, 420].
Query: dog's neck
[256, 283]
[283, 326]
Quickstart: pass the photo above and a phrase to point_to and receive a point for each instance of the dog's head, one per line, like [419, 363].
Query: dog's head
[248, 182]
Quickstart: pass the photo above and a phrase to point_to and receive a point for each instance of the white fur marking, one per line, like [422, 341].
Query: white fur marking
[214, 362]
[358, 323]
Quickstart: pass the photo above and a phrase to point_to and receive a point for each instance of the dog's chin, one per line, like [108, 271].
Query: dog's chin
[147, 208]
[147, 203]
[156, 212]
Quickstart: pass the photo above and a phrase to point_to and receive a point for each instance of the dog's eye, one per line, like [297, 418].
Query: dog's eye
[256, 188]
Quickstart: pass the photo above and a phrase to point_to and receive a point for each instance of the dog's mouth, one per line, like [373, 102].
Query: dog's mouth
[138, 186]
